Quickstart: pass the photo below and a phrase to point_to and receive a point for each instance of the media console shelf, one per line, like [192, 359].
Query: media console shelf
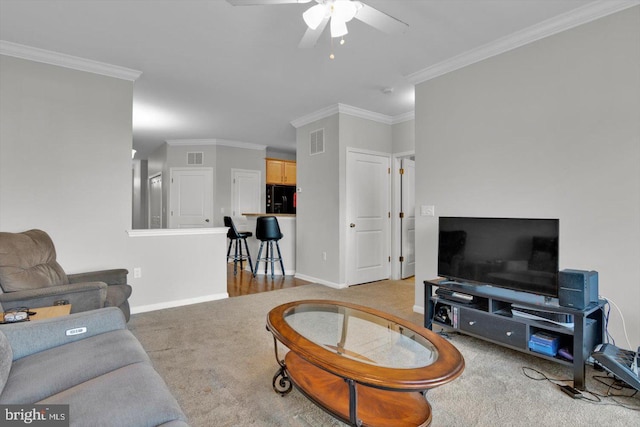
[489, 317]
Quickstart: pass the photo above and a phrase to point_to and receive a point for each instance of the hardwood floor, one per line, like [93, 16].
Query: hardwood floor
[244, 283]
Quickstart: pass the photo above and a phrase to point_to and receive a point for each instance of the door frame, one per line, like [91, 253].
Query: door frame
[396, 234]
[238, 218]
[349, 254]
[162, 210]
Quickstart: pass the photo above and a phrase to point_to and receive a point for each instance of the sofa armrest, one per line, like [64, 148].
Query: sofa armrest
[81, 296]
[117, 276]
[28, 338]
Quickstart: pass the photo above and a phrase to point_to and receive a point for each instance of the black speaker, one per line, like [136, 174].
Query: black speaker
[577, 288]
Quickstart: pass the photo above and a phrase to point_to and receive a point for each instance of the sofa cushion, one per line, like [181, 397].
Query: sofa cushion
[134, 395]
[28, 261]
[117, 295]
[6, 356]
[60, 368]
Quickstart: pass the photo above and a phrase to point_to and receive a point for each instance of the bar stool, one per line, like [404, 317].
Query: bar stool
[268, 230]
[236, 236]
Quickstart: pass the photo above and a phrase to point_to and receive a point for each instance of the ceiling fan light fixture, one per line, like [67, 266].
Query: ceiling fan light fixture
[338, 28]
[314, 15]
[344, 10]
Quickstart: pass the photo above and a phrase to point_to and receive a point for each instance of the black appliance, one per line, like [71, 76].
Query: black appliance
[281, 199]
[577, 288]
[513, 253]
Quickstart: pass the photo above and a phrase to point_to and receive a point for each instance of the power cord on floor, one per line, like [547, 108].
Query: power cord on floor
[595, 398]
[614, 384]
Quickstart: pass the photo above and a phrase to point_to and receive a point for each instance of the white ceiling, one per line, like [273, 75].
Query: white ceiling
[214, 71]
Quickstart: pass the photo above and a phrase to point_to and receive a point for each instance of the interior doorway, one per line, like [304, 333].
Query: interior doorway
[191, 198]
[246, 194]
[155, 201]
[368, 216]
[403, 235]
[407, 218]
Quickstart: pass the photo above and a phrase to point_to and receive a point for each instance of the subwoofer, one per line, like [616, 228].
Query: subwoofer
[577, 288]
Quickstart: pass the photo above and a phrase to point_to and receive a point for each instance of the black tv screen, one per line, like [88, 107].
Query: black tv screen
[513, 253]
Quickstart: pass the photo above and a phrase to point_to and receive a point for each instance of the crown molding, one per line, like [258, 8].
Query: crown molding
[364, 114]
[179, 142]
[352, 111]
[67, 61]
[240, 144]
[401, 118]
[315, 116]
[216, 142]
[566, 21]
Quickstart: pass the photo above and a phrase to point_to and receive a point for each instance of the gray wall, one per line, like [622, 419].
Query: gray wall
[156, 165]
[65, 159]
[551, 129]
[404, 136]
[222, 158]
[317, 222]
[175, 156]
[65, 167]
[322, 203]
[140, 198]
[279, 154]
[235, 158]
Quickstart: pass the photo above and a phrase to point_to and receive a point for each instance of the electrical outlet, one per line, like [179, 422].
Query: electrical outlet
[427, 210]
[137, 273]
[324, 256]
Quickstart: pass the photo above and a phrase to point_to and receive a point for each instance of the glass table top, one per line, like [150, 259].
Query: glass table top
[361, 336]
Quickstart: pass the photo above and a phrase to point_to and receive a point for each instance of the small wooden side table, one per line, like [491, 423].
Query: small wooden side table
[50, 312]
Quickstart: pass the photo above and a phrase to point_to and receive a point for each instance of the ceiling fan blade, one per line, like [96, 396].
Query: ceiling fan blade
[380, 20]
[311, 36]
[264, 2]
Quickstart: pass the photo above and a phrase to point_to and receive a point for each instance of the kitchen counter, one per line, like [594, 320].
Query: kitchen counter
[287, 224]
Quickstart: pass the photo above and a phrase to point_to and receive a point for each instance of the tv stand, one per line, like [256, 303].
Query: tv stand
[489, 317]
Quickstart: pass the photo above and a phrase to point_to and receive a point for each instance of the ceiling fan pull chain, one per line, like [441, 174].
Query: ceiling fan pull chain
[331, 55]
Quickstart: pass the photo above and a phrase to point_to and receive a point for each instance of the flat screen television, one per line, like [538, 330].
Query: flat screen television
[513, 253]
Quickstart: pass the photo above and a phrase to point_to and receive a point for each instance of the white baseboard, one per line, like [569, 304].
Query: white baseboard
[321, 281]
[260, 272]
[178, 303]
[418, 309]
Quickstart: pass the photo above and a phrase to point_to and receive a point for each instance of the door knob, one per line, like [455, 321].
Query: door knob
[206, 220]
[352, 225]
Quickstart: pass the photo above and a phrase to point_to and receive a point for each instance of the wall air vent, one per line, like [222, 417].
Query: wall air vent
[195, 158]
[316, 142]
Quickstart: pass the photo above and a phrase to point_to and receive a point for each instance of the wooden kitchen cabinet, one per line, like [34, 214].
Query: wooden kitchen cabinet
[281, 172]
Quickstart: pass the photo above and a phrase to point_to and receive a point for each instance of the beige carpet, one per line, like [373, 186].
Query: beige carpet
[218, 360]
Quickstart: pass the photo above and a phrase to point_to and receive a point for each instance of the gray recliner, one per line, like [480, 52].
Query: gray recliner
[31, 277]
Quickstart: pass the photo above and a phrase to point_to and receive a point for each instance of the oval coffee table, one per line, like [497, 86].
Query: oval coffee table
[363, 366]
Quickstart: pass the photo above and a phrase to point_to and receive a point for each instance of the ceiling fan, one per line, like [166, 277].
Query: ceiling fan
[336, 13]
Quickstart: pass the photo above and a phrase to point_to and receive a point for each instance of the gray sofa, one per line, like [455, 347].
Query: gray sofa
[103, 374]
[30, 276]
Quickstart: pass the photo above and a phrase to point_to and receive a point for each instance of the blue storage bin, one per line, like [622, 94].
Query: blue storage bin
[545, 343]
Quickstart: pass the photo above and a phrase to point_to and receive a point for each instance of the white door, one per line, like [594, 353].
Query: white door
[246, 194]
[368, 217]
[155, 201]
[408, 219]
[191, 198]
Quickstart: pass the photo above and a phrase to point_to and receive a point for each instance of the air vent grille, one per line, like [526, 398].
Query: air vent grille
[316, 142]
[195, 158]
